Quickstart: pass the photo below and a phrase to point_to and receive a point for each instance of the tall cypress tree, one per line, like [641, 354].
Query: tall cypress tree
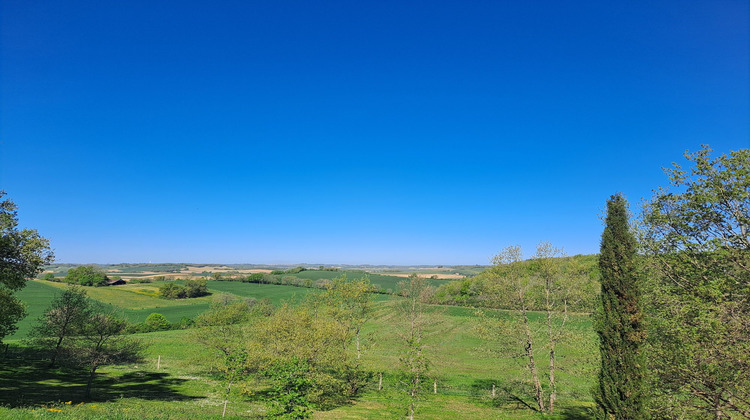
[619, 320]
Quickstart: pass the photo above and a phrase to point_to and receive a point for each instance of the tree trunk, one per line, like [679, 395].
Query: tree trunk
[532, 364]
[552, 387]
[54, 354]
[92, 374]
[717, 407]
[359, 353]
[548, 307]
[229, 389]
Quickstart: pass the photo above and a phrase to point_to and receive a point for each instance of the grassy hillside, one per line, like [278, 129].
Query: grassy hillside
[138, 301]
[464, 364]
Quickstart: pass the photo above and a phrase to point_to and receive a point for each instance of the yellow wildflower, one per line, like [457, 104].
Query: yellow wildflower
[68, 403]
[56, 410]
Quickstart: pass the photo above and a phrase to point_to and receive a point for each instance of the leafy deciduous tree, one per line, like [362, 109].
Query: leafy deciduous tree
[101, 342]
[64, 318]
[518, 287]
[697, 235]
[22, 254]
[350, 303]
[411, 310]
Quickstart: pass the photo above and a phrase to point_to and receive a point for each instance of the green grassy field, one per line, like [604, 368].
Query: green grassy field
[462, 362]
[138, 301]
[384, 282]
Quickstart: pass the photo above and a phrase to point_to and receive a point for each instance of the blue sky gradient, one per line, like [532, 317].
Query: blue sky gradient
[354, 132]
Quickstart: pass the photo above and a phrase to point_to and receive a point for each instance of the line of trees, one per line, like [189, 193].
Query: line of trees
[546, 284]
[673, 314]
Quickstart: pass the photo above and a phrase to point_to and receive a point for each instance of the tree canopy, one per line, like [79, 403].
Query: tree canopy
[696, 234]
[22, 254]
[86, 275]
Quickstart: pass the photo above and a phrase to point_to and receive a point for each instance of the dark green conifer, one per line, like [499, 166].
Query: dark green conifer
[619, 320]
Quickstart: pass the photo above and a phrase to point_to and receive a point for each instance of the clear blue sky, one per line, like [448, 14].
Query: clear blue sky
[383, 132]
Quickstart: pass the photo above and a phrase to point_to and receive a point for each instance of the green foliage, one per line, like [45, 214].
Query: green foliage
[157, 322]
[255, 278]
[171, 290]
[188, 373]
[196, 288]
[86, 275]
[80, 333]
[191, 289]
[309, 341]
[290, 384]
[64, 318]
[222, 327]
[22, 255]
[11, 311]
[480, 290]
[414, 321]
[697, 235]
[619, 320]
[349, 302]
[101, 342]
[49, 277]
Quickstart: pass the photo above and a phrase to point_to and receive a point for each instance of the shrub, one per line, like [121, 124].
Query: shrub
[191, 289]
[196, 288]
[172, 291]
[184, 323]
[255, 278]
[49, 277]
[157, 322]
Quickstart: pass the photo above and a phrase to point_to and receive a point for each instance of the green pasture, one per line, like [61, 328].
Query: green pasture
[464, 364]
[385, 282]
[138, 301]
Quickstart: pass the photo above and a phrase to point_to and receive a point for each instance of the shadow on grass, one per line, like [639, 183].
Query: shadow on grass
[576, 413]
[26, 380]
[507, 394]
[510, 395]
